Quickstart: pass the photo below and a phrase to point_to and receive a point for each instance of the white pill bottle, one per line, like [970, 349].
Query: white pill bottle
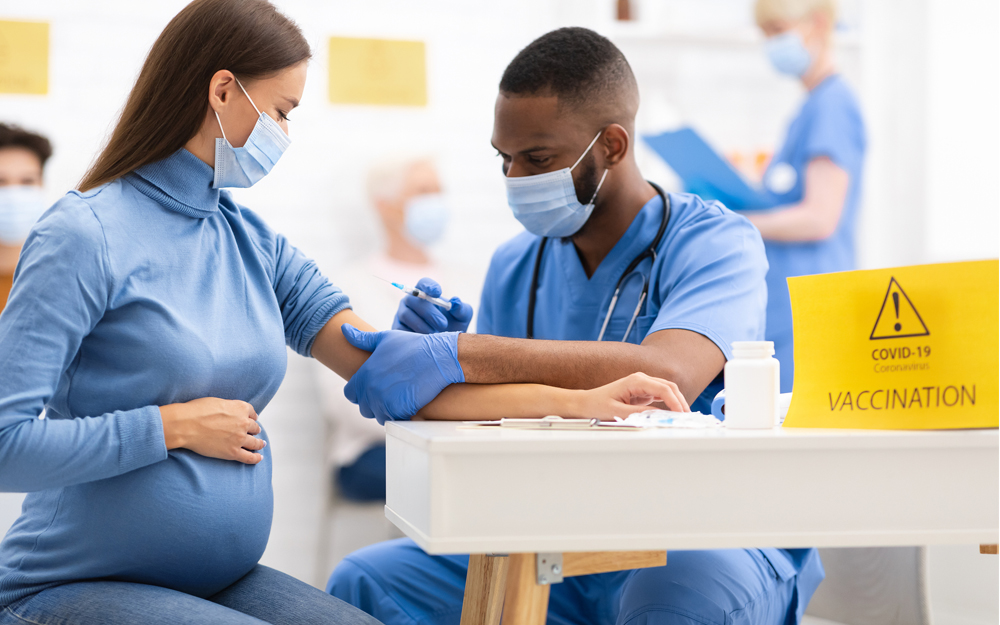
[753, 383]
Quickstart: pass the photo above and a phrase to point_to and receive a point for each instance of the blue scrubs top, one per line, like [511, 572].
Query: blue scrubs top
[828, 125]
[708, 278]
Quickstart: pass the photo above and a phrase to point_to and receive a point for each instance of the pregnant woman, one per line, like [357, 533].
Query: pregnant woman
[149, 318]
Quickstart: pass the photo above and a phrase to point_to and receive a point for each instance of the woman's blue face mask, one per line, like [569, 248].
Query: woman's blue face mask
[788, 54]
[243, 167]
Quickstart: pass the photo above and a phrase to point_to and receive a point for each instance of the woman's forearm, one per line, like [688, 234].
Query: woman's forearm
[791, 223]
[620, 398]
[814, 218]
[332, 349]
[471, 402]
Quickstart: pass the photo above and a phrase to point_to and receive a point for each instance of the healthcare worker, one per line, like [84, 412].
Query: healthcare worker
[612, 276]
[22, 162]
[149, 319]
[816, 175]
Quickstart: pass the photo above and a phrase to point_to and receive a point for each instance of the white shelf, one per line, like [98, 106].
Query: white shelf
[638, 32]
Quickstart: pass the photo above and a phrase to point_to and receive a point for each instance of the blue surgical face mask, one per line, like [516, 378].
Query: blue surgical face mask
[20, 208]
[426, 217]
[546, 204]
[788, 53]
[243, 167]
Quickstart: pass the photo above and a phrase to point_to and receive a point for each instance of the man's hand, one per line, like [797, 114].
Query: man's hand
[419, 315]
[404, 373]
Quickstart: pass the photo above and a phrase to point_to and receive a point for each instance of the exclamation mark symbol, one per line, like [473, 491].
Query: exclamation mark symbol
[895, 302]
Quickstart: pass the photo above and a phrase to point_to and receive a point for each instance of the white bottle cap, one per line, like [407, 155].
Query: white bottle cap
[753, 349]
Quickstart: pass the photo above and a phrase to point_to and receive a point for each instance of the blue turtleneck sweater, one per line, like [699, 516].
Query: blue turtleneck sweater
[151, 290]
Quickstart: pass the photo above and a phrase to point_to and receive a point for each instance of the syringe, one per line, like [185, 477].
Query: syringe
[437, 301]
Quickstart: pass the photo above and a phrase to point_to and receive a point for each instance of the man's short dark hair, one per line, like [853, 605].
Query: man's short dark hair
[17, 137]
[574, 64]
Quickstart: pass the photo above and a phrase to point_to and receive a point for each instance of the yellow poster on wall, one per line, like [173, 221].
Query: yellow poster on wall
[377, 71]
[24, 57]
[902, 348]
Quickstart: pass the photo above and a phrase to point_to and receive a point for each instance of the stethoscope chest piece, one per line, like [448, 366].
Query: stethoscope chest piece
[649, 252]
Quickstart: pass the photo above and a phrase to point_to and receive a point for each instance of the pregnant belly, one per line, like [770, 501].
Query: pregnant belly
[190, 523]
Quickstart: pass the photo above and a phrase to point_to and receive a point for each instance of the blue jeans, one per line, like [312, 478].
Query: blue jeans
[261, 596]
[401, 585]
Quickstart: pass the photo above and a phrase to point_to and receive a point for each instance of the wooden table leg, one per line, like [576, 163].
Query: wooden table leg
[988, 549]
[485, 586]
[496, 584]
[527, 602]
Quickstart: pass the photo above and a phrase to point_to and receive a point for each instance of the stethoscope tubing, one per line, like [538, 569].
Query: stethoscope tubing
[649, 252]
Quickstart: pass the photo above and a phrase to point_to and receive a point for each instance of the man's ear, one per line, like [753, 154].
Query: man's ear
[615, 142]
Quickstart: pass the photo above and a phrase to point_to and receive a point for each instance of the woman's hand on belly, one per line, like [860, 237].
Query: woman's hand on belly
[213, 427]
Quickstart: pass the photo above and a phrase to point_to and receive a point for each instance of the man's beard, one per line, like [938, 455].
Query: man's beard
[588, 180]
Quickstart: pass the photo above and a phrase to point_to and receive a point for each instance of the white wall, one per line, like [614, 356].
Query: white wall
[963, 129]
[925, 71]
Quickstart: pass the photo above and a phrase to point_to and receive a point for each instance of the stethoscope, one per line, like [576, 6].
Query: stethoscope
[649, 252]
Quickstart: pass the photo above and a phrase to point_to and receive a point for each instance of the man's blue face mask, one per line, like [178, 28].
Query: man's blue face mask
[546, 204]
[243, 167]
[788, 54]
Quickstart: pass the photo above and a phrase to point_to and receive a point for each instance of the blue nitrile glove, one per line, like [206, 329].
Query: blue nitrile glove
[419, 315]
[404, 373]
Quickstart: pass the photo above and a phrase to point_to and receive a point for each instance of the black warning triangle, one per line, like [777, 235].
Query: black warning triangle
[898, 317]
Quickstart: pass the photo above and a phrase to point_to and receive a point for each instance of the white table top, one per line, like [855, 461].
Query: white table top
[451, 436]
[456, 489]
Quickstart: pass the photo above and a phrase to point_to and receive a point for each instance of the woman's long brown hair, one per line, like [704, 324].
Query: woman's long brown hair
[168, 103]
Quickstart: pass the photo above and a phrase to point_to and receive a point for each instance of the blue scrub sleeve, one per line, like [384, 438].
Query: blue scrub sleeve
[836, 132]
[61, 289]
[716, 288]
[484, 322]
[306, 297]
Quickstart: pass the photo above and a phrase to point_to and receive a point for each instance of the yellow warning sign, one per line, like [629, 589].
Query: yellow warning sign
[903, 348]
[24, 57]
[377, 71]
[889, 324]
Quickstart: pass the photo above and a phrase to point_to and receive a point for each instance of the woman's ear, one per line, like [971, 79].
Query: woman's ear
[220, 88]
[616, 143]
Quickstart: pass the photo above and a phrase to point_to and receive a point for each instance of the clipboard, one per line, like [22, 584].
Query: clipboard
[553, 422]
[705, 172]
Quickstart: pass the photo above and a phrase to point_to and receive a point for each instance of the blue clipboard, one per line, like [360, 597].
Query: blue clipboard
[706, 173]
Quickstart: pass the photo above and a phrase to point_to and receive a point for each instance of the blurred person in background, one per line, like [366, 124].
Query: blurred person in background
[405, 192]
[23, 155]
[816, 175]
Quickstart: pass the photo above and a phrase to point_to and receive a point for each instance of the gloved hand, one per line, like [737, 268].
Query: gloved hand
[419, 315]
[404, 373]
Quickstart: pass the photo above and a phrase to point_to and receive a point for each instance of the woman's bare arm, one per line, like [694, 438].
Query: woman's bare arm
[814, 218]
[333, 350]
[469, 402]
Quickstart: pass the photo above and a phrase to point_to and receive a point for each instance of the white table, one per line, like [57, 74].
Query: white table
[455, 489]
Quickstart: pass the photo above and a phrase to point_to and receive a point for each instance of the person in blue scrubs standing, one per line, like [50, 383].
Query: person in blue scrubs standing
[612, 276]
[816, 175]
